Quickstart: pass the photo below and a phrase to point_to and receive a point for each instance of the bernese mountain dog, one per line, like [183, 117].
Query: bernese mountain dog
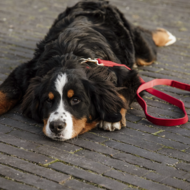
[72, 96]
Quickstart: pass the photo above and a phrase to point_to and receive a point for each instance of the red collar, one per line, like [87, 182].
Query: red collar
[148, 87]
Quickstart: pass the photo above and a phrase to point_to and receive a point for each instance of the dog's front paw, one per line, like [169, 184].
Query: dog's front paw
[108, 126]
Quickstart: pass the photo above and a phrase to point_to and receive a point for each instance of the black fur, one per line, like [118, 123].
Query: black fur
[92, 29]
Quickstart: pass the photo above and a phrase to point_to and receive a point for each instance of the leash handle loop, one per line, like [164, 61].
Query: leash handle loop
[148, 87]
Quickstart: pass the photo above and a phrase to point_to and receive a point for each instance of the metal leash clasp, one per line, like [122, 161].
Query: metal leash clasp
[83, 60]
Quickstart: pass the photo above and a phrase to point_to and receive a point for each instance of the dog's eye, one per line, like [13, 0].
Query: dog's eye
[75, 101]
[49, 101]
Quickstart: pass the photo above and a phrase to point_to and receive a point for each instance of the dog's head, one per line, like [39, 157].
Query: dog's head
[70, 99]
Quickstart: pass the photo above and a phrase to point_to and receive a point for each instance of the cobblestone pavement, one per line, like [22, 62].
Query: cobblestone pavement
[140, 156]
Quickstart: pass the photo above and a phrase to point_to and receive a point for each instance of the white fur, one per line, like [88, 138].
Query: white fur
[172, 39]
[108, 126]
[61, 114]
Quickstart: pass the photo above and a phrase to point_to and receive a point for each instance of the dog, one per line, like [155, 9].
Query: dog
[70, 95]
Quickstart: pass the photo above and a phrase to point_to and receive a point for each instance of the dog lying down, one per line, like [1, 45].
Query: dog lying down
[72, 97]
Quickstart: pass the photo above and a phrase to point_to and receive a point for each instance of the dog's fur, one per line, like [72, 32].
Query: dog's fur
[72, 98]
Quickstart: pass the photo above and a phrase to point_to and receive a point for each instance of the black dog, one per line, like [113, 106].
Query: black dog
[71, 97]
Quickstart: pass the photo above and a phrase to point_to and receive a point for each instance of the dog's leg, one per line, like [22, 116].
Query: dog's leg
[145, 48]
[10, 93]
[162, 37]
[146, 42]
[6, 103]
[109, 126]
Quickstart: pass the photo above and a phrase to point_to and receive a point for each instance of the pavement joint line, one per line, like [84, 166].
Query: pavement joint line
[80, 179]
[120, 141]
[14, 156]
[128, 184]
[182, 180]
[49, 163]
[144, 167]
[158, 135]
[6, 177]
[172, 75]
[90, 183]
[20, 182]
[139, 177]
[81, 168]
[46, 154]
[27, 172]
[26, 159]
[73, 152]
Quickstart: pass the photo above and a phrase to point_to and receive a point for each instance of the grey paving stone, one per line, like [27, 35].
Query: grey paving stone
[73, 159]
[30, 179]
[160, 168]
[126, 136]
[16, 124]
[94, 146]
[184, 166]
[168, 180]
[160, 139]
[141, 152]
[163, 76]
[92, 137]
[117, 164]
[141, 127]
[80, 185]
[90, 177]
[42, 139]
[175, 154]
[54, 152]
[133, 118]
[32, 168]
[176, 137]
[38, 158]
[177, 130]
[20, 143]
[20, 118]
[137, 181]
[5, 129]
[10, 185]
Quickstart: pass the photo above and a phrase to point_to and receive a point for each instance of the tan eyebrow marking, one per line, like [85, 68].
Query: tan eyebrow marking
[51, 96]
[70, 93]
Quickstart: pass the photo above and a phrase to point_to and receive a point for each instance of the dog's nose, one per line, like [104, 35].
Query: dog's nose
[57, 126]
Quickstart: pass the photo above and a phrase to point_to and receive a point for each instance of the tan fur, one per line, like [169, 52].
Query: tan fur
[78, 126]
[123, 120]
[89, 126]
[123, 112]
[5, 103]
[142, 62]
[160, 37]
[81, 126]
[45, 124]
[51, 96]
[70, 93]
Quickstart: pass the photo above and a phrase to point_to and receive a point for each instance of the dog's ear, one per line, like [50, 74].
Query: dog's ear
[103, 94]
[129, 80]
[31, 101]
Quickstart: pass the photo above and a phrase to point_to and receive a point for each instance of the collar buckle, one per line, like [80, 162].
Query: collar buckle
[83, 60]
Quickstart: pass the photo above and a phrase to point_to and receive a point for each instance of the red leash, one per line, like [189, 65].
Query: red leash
[148, 87]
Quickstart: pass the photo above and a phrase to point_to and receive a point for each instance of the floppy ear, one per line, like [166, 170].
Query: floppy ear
[103, 94]
[31, 101]
[129, 79]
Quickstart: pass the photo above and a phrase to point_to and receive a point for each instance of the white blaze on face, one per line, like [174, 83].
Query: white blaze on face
[60, 113]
